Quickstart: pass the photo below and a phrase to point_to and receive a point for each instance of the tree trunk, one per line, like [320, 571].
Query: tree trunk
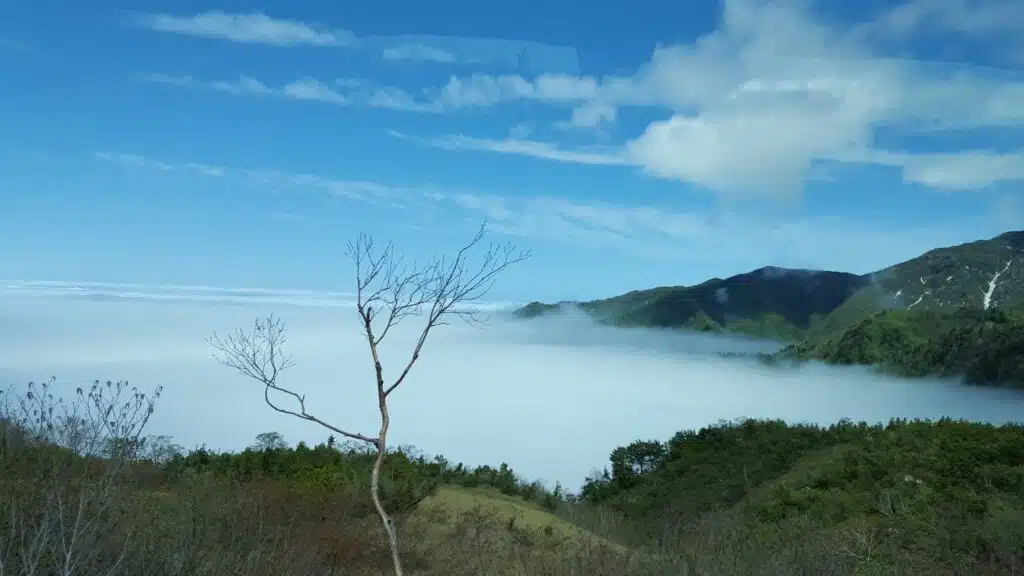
[385, 519]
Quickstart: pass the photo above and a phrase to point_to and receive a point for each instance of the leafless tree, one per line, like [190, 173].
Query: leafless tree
[387, 292]
[64, 461]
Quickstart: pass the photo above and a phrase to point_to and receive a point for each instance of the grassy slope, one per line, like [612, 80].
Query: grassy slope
[457, 501]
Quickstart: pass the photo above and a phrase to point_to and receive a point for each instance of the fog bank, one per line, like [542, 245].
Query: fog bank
[551, 397]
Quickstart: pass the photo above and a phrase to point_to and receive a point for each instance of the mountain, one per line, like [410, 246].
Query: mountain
[795, 303]
[776, 302]
[955, 311]
[978, 275]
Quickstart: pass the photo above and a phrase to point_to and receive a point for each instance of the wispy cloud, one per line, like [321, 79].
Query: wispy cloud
[137, 161]
[744, 120]
[598, 156]
[980, 19]
[174, 293]
[280, 180]
[417, 53]
[261, 28]
[171, 292]
[966, 170]
[737, 240]
[12, 45]
[341, 92]
[252, 28]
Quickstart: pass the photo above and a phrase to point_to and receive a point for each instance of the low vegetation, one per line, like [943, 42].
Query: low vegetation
[86, 492]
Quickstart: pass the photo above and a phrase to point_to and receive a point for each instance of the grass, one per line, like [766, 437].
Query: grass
[455, 502]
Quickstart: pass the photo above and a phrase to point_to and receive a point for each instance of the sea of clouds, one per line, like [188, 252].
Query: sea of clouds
[551, 397]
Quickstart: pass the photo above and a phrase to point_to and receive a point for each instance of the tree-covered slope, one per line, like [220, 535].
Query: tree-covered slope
[982, 346]
[941, 497]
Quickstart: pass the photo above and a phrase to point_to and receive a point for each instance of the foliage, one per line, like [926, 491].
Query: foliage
[751, 497]
[939, 496]
[983, 347]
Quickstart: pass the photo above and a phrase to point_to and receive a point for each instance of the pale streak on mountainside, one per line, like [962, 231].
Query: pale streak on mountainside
[987, 299]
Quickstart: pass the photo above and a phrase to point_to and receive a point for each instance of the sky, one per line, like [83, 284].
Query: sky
[240, 145]
[550, 397]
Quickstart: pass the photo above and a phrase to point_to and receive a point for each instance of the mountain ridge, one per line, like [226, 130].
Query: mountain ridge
[955, 311]
[980, 274]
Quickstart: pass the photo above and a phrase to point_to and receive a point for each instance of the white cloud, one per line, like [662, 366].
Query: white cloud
[244, 85]
[754, 104]
[969, 170]
[343, 92]
[522, 130]
[591, 115]
[268, 179]
[310, 89]
[137, 161]
[592, 156]
[731, 242]
[620, 384]
[735, 241]
[488, 90]
[252, 28]
[978, 18]
[260, 28]
[417, 53]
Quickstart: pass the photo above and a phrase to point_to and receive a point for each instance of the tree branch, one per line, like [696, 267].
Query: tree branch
[258, 355]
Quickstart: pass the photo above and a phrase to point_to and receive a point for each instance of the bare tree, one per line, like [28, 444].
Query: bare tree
[387, 292]
[64, 463]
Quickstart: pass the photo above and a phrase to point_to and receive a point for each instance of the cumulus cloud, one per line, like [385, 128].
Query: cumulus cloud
[551, 397]
[754, 104]
[752, 107]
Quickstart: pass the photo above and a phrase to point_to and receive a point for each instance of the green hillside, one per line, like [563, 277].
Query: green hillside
[735, 499]
[904, 498]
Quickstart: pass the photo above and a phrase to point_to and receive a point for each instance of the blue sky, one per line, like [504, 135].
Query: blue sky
[626, 145]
